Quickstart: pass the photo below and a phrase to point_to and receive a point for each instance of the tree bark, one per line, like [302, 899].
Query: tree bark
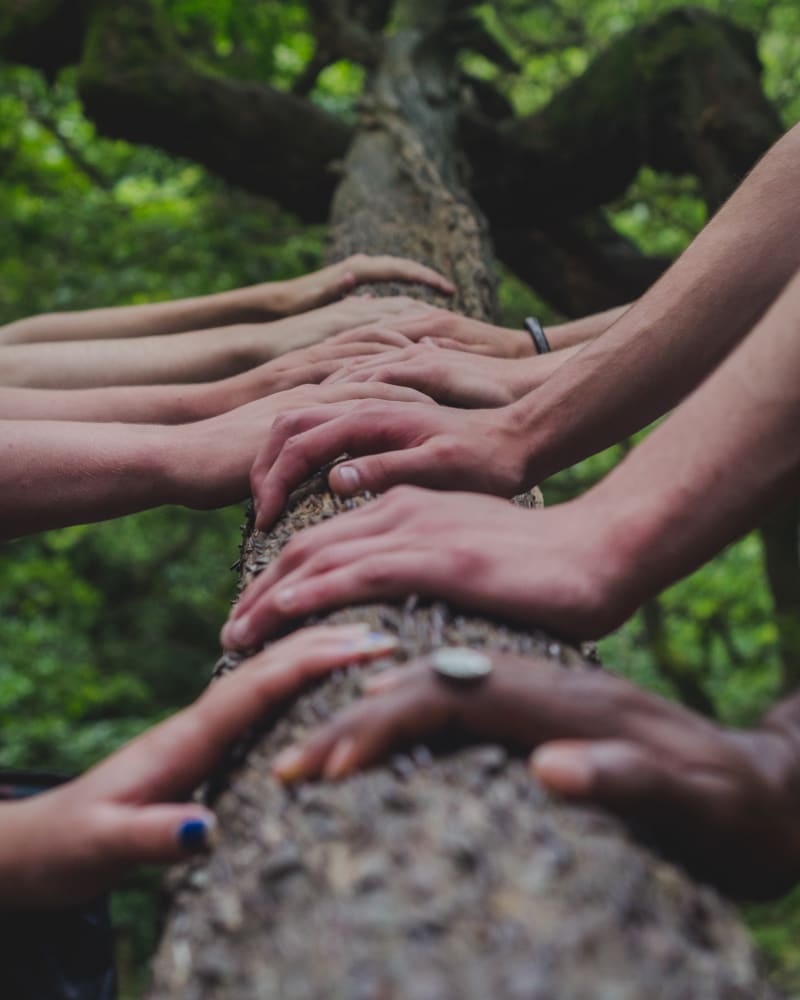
[441, 876]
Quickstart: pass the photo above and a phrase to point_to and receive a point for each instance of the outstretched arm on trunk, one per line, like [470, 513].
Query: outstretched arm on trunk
[255, 304]
[67, 845]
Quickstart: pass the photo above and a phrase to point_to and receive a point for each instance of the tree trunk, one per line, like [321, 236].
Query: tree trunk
[432, 877]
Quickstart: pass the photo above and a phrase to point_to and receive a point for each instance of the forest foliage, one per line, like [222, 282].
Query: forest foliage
[106, 628]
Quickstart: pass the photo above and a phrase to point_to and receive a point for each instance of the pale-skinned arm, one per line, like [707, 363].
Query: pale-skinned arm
[57, 473]
[181, 403]
[196, 356]
[254, 304]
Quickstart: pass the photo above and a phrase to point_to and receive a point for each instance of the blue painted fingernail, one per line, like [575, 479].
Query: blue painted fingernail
[196, 835]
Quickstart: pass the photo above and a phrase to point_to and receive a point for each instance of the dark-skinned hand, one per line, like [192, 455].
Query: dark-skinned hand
[724, 802]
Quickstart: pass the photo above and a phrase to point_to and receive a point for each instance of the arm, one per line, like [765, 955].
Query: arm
[196, 356]
[56, 473]
[255, 304]
[576, 332]
[69, 844]
[667, 342]
[178, 404]
[723, 802]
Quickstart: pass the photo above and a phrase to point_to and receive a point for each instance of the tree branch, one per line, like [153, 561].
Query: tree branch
[682, 95]
[137, 84]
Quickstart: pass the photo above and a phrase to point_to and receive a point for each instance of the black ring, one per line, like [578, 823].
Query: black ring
[540, 342]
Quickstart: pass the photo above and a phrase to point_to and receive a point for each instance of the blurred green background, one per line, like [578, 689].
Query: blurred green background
[107, 628]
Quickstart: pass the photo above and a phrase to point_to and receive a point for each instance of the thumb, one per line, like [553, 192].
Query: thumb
[160, 834]
[377, 473]
[615, 772]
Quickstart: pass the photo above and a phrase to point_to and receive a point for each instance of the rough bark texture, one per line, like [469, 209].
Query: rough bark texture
[441, 875]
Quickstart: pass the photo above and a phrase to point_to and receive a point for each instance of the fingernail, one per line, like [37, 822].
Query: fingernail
[285, 598]
[197, 834]
[288, 765]
[563, 770]
[370, 641]
[340, 761]
[235, 632]
[348, 477]
[379, 682]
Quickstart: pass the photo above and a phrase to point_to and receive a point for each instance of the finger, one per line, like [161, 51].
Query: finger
[154, 834]
[169, 760]
[374, 334]
[372, 389]
[629, 778]
[373, 578]
[367, 731]
[385, 268]
[377, 473]
[370, 520]
[293, 453]
[448, 344]
[244, 630]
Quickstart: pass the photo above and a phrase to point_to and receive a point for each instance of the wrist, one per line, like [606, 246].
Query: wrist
[615, 552]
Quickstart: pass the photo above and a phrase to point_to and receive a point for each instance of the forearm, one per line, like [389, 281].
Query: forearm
[713, 468]
[59, 473]
[666, 343]
[527, 374]
[140, 404]
[242, 305]
[143, 404]
[196, 356]
[578, 331]
[184, 357]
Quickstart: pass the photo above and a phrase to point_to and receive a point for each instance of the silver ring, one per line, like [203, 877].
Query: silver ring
[460, 664]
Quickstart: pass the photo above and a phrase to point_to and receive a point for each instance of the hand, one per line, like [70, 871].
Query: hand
[66, 845]
[723, 802]
[453, 331]
[313, 290]
[480, 450]
[263, 341]
[206, 464]
[454, 378]
[555, 568]
[304, 366]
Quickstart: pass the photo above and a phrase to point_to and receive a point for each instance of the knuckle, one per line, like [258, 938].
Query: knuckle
[283, 425]
[401, 499]
[447, 451]
[375, 574]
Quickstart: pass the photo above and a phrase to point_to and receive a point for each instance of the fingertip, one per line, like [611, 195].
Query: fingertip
[198, 834]
[563, 768]
[235, 632]
[288, 765]
[341, 760]
[345, 479]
